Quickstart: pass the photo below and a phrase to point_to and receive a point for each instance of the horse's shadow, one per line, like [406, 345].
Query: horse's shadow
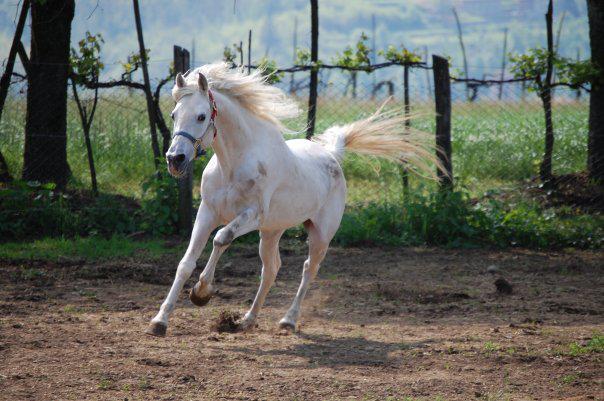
[325, 350]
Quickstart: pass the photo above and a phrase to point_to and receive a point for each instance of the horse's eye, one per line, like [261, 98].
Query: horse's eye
[201, 117]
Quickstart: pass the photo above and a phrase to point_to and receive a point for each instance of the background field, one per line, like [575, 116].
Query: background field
[496, 144]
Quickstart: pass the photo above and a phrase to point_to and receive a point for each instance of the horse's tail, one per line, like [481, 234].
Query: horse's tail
[384, 135]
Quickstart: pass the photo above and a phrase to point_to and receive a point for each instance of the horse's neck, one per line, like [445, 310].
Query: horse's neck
[239, 134]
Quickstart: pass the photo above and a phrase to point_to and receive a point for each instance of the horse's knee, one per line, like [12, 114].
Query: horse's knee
[184, 270]
[223, 237]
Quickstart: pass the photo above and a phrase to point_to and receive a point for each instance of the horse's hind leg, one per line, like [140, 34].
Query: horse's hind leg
[318, 244]
[271, 262]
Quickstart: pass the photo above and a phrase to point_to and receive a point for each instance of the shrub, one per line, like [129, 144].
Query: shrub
[32, 210]
[160, 205]
[451, 219]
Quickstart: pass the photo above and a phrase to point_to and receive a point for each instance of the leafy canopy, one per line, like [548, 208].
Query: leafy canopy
[86, 62]
[533, 66]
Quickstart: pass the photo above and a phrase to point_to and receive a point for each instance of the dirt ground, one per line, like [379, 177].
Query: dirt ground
[378, 324]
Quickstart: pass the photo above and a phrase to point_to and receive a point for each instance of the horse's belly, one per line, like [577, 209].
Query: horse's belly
[286, 210]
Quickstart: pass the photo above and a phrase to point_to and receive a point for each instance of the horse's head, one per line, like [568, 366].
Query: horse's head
[193, 116]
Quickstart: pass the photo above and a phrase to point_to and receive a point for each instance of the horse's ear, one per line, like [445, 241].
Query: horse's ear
[202, 82]
[180, 81]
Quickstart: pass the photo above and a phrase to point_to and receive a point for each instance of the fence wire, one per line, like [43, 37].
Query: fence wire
[497, 131]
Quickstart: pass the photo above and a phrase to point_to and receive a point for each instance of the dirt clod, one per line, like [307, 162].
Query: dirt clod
[503, 286]
[227, 322]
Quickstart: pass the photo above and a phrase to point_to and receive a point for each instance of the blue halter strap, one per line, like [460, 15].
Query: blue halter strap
[196, 142]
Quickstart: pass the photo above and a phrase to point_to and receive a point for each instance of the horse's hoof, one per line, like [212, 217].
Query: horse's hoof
[196, 299]
[156, 329]
[245, 325]
[287, 325]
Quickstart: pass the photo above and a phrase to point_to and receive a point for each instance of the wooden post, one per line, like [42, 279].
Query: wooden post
[148, 95]
[241, 53]
[503, 59]
[545, 170]
[314, 57]
[463, 52]
[373, 54]
[249, 53]
[404, 171]
[442, 97]
[294, 55]
[578, 93]
[428, 85]
[185, 184]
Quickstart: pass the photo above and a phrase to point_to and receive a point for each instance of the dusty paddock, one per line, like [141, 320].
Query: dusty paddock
[377, 325]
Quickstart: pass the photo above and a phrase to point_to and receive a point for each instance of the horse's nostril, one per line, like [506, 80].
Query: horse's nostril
[175, 160]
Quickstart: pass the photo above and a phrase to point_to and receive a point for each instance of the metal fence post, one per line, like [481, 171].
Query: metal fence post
[442, 100]
[185, 184]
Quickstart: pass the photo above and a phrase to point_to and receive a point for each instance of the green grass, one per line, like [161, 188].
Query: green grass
[89, 249]
[495, 144]
[496, 147]
[594, 345]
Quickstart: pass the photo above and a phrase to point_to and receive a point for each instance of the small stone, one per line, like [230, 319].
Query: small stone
[493, 269]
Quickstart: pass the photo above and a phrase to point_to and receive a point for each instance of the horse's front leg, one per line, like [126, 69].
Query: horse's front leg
[205, 223]
[246, 221]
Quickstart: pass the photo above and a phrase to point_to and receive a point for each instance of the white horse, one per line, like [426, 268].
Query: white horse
[258, 181]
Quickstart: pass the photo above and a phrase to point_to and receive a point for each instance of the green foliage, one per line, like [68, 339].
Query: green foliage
[303, 56]
[594, 345]
[133, 63]
[160, 205]
[230, 55]
[402, 55]
[533, 66]
[452, 219]
[356, 57]
[86, 61]
[269, 69]
[30, 210]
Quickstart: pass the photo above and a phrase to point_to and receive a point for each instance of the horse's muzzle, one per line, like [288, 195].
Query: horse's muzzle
[176, 163]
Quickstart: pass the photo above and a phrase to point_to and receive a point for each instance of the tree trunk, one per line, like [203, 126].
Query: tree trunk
[6, 78]
[595, 154]
[45, 156]
[148, 95]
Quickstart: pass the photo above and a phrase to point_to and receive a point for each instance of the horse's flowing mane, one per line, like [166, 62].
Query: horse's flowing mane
[252, 92]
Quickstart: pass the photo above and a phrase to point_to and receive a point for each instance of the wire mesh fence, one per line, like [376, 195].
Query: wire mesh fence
[497, 131]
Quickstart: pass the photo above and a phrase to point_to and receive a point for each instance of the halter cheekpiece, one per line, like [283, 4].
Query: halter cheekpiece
[199, 151]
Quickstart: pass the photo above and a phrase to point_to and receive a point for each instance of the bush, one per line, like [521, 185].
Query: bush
[31, 210]
[160, 205]
[451, 219]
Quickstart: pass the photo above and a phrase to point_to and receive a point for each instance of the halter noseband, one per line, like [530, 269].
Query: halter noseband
[199, 151]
